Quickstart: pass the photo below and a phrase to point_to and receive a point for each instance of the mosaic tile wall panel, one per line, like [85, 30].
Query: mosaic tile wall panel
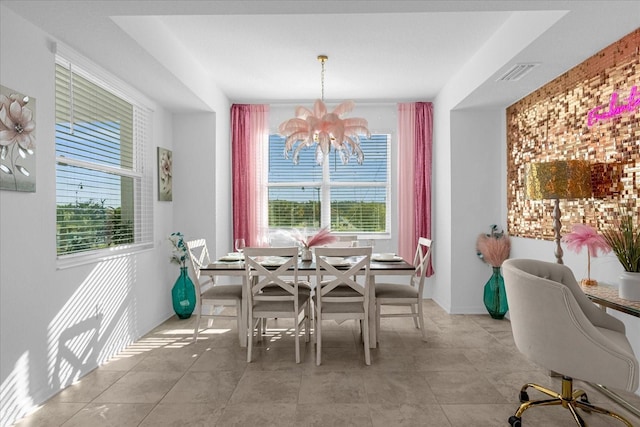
[552, 124]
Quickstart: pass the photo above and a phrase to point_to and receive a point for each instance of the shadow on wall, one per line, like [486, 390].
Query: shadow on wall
[96, 322]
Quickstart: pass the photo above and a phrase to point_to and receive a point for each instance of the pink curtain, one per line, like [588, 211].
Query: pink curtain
[249, 151]
[415, 141]
[406, 227]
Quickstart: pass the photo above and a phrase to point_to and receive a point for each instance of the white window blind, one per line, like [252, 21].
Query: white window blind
[104, 186]
[349, 198]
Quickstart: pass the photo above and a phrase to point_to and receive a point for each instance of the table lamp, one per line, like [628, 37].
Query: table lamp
[560, 179]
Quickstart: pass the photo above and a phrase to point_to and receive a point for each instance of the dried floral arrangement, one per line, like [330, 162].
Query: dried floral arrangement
[493, 248]
[179, 253]
[322, 237]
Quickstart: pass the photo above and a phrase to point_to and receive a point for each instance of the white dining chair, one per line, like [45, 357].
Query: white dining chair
[408, 295]
[342, 291]
[275, 291]
[208, 292]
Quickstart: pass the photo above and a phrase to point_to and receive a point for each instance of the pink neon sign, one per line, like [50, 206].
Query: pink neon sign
[599, 114]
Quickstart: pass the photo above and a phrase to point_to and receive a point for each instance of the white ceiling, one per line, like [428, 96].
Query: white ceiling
[177, 52]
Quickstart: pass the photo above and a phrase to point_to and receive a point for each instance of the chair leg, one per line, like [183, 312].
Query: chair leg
[421, 320]
[365, 334]
[315, 325]
[589, 407]
[262, 328]
[415, 316]
[307, 323]
[252, 326]
[196, 330]
[318, 338]
[378, 307]
[570, 399]
[239, 324]
[576, 416]
[296, 339]
[541, 389]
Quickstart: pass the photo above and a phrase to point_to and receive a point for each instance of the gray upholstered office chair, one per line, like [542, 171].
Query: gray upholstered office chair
[557, 327]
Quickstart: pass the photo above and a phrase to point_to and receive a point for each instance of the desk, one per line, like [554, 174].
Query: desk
[308, 268]
[606, 296]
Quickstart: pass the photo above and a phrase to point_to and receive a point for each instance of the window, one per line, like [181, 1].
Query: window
[349, 198]
[104, 186]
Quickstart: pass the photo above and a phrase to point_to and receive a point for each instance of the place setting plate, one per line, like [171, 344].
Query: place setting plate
[274, 261]
[386, 258]
[337, 261]
[232, 257]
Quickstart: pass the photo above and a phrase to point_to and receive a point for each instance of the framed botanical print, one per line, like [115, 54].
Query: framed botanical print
[17, 141]
[165, 193]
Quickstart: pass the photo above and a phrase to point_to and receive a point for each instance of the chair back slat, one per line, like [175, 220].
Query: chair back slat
[199, 257]
[261, 273]
[359, 259]
[421, 262]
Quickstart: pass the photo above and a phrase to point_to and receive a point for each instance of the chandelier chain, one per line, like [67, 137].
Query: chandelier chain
[322, 80]
[322, 59]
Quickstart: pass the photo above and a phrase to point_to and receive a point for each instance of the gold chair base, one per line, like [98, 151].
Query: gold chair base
[569, 398]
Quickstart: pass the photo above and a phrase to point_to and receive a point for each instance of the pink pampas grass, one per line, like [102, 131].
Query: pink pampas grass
[494, 249]
[322, 237]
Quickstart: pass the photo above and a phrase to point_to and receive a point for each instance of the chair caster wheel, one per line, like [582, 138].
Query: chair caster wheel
[524, 396]
[515, 421]
[585, 399]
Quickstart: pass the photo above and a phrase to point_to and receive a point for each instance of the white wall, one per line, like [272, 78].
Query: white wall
[455, 226]
[469, 175]
[194, 178]
[57, 325]
[223, 214]
[477, 166]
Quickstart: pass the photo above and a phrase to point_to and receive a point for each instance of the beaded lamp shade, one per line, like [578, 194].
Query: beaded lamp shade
[561, 179]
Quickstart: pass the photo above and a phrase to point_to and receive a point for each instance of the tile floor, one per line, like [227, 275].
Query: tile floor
[468, 373]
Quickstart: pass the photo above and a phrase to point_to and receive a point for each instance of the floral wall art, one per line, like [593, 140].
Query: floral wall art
[164, 175]
[17, 141]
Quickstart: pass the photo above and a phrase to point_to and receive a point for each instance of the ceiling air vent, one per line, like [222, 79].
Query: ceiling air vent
[517, 72]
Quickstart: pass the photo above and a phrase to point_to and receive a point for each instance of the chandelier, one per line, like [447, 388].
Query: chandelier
[324, 129]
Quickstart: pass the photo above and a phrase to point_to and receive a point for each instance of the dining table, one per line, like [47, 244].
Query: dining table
[395, 266]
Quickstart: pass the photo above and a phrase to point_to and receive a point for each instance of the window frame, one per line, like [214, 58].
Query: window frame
[326, 184]
[141, 172]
